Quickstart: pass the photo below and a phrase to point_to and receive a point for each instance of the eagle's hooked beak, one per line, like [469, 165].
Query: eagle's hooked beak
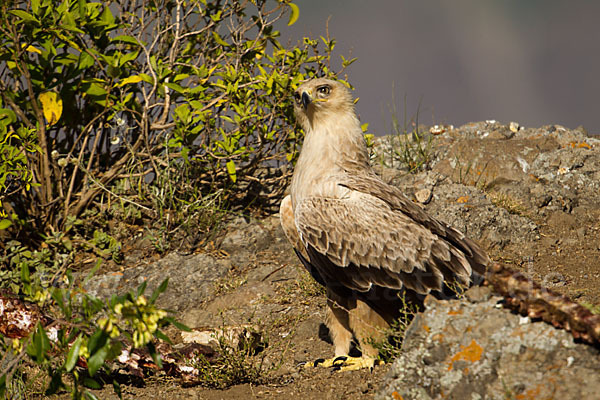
[305, 100]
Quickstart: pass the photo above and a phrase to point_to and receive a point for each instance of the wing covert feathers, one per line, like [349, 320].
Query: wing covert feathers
[370, 183]
[362, 240]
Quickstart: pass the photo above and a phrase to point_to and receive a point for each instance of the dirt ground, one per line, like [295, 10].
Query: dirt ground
[530, 196]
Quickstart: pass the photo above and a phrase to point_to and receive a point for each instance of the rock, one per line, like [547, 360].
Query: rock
[423, 196]
[471, 349]
[478, 294]
[191, 279]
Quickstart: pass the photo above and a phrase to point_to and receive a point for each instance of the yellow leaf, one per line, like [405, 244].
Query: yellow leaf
[294, 15]
[231, 170]
[32, 49]
[52, 106]
[462, 199]
[130, 79]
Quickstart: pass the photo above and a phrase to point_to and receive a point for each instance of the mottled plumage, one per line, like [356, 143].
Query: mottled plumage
[358, 236]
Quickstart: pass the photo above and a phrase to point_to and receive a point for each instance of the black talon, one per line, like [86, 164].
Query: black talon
[340, 358]
[318, 361]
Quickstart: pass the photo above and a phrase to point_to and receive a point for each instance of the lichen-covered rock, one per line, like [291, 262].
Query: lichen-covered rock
[475, 349]
[191, 279]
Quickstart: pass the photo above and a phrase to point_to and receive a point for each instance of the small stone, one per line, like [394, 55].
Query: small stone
[365, 387]
[423, 196]
[544, 201]
[514, 127]
[478, 294]
[524, 320]
[570, 361]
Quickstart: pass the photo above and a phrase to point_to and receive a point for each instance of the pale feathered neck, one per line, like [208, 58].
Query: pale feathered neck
[334, 140]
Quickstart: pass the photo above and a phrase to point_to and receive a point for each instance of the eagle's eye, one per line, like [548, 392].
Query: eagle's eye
[297, 97]
[324, 90]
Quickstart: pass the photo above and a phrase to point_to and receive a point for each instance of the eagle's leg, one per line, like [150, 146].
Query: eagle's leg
[337, 321]
[343, 318]
[368, 327]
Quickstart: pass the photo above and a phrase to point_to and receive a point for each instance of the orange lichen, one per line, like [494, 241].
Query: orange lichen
[397, 396]
[426, 328]
[455, 312]
[530, 394]
[582, 145]
[462, 199]
[471, 353]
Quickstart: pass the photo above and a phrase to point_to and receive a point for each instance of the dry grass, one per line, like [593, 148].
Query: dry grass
[509, 203]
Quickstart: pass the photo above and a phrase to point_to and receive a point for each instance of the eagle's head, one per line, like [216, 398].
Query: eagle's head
[319, 99]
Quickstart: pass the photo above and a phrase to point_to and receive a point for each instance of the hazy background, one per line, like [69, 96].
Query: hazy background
[535, 62]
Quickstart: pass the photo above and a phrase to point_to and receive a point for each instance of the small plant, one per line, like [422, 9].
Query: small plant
[389, 348]
[466, 174]
[308, 286]
[594, 308]
[509, 203]
[106, 246]
[238, 360]
[76, 336]
[409, 147]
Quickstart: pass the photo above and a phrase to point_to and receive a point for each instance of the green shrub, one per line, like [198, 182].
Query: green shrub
[153, 103]
[165, 111]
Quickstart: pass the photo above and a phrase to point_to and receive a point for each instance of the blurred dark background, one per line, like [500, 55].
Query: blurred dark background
[535, 62]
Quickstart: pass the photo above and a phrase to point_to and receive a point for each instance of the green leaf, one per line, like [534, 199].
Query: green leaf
[231, 170]
[158, 334]
[73, 354]
[24, 15]
[91, 383]
[97, 341]
[154, 354]
[39, 345]
[92, 272]
[294, 15]
[97, 359]
[82, 8]
[25, 273]
[130, 79]
[59, 297]
[85, 60]
[94, 89]
[175, 87]
[90, 396]
[2, 385]
[5, 223]
[35, 6]
[142, 288]
[107, 16]
[7, 113]
[114, 351]
[161, 288]
[125, 39]
[117, 388]
[177, 324]
[219, 40]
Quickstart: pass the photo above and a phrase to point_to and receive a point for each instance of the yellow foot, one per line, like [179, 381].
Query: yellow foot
[345, 363]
